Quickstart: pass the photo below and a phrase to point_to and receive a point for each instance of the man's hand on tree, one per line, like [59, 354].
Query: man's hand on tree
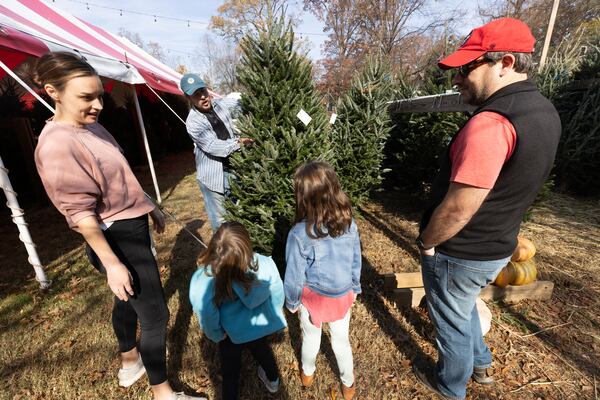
[246, 141]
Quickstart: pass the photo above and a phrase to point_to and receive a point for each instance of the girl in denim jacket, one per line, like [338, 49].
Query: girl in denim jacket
[322, 276]
[238, 298]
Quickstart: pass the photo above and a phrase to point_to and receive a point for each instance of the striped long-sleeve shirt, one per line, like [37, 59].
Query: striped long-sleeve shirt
[209, 149]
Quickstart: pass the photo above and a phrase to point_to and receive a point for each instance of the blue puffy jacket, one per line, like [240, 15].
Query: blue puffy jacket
[249, 316]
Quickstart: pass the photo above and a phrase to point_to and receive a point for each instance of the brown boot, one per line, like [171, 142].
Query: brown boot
[348, 392]
[307, 380]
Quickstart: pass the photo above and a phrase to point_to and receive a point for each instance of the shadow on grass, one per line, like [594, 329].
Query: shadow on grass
[373, 298]
[182, 266]
[399, 236]
[34, 356]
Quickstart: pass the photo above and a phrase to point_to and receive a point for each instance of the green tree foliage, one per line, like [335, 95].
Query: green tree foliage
[419, 139]
[277, 84]
[570, 79]
[578, 158]
[361, 130]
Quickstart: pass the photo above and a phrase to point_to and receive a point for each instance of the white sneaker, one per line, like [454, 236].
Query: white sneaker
[272, 387]
[128, 376]
[183, 396]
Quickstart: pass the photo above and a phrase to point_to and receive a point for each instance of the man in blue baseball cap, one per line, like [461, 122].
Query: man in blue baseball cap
[211, 128]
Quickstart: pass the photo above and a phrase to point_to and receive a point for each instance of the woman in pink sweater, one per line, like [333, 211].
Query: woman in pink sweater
[90, 182]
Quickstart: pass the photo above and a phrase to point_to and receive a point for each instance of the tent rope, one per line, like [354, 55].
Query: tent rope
[174, 218]
[165, 103]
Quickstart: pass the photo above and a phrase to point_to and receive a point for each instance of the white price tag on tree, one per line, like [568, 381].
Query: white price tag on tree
[304, 117]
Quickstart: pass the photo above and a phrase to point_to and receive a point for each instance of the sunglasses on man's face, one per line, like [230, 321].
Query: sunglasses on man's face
[465, 70]
[201, 92]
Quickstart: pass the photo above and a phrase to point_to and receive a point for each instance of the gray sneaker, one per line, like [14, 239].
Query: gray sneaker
[272, 387]
[183, 396]
[481, 376]
[128, 376]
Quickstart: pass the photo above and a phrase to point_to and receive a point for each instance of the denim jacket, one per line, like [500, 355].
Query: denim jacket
[249, 316]
[328, 266]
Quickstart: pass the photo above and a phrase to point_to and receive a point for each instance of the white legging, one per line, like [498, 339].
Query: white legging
[340, 342]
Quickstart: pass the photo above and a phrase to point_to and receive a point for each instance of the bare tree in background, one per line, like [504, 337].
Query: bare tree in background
[237, 17]
[360, 27]
[219, 60]
[150, 47]
[536, 13]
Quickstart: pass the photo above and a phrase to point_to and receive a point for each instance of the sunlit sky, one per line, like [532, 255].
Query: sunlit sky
[182, 43]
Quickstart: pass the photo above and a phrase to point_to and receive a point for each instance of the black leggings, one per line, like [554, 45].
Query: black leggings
[231, 363]
[130, 241]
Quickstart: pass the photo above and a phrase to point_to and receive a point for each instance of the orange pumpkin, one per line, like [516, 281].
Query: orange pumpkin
[525, 250]
[517, 273]
[506, 276]
[525, 272]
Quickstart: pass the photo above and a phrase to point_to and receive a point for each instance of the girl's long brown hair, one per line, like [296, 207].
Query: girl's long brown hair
[321, 201]
[230, 257]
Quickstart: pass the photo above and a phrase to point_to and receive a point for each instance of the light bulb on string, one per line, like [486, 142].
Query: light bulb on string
[155, 18]
[121, 12]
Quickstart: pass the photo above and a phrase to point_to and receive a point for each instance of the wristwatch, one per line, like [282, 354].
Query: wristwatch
[421, 245]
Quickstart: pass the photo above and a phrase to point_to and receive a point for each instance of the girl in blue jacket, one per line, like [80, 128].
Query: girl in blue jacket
[238, 298]
[323, 262]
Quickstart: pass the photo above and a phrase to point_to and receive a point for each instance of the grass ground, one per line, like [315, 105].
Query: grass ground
[59, 344]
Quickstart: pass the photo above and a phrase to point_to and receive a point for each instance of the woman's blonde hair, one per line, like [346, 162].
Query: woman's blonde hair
[320, 200]
[231, 258]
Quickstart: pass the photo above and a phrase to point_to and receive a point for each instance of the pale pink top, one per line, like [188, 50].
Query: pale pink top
[326, 309]
[85, 174]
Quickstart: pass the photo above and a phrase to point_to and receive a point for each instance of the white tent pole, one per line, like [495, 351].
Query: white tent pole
[549, 34]
[146, 145]
[26, 86]
[24, 236]
[13, 204]
[165, 103]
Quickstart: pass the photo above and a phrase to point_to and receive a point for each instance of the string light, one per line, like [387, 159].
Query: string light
[165, 17]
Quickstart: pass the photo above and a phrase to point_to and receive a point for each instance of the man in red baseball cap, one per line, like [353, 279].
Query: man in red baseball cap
[490, 175]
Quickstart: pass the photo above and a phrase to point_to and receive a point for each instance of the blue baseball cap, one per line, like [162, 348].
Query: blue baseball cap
[190, 83]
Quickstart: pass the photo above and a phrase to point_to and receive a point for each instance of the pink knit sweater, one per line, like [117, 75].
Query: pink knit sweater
[85, 174]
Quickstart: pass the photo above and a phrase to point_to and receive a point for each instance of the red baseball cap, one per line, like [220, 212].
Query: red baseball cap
[504, 34]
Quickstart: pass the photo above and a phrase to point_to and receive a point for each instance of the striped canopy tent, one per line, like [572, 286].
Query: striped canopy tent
[31, 28]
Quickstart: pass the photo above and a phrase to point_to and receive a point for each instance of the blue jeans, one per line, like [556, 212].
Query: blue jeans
[451, 287]
[214, 201]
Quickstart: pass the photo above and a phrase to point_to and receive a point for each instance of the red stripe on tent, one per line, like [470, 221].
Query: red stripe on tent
[57, 19]
[160, 84]
[38, 28]
[19, 41]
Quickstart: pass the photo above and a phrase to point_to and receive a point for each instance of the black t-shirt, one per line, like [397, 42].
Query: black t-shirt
[221, 131]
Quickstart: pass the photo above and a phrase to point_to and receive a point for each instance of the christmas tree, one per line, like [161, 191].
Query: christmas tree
[277, 84]
[361, 129]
